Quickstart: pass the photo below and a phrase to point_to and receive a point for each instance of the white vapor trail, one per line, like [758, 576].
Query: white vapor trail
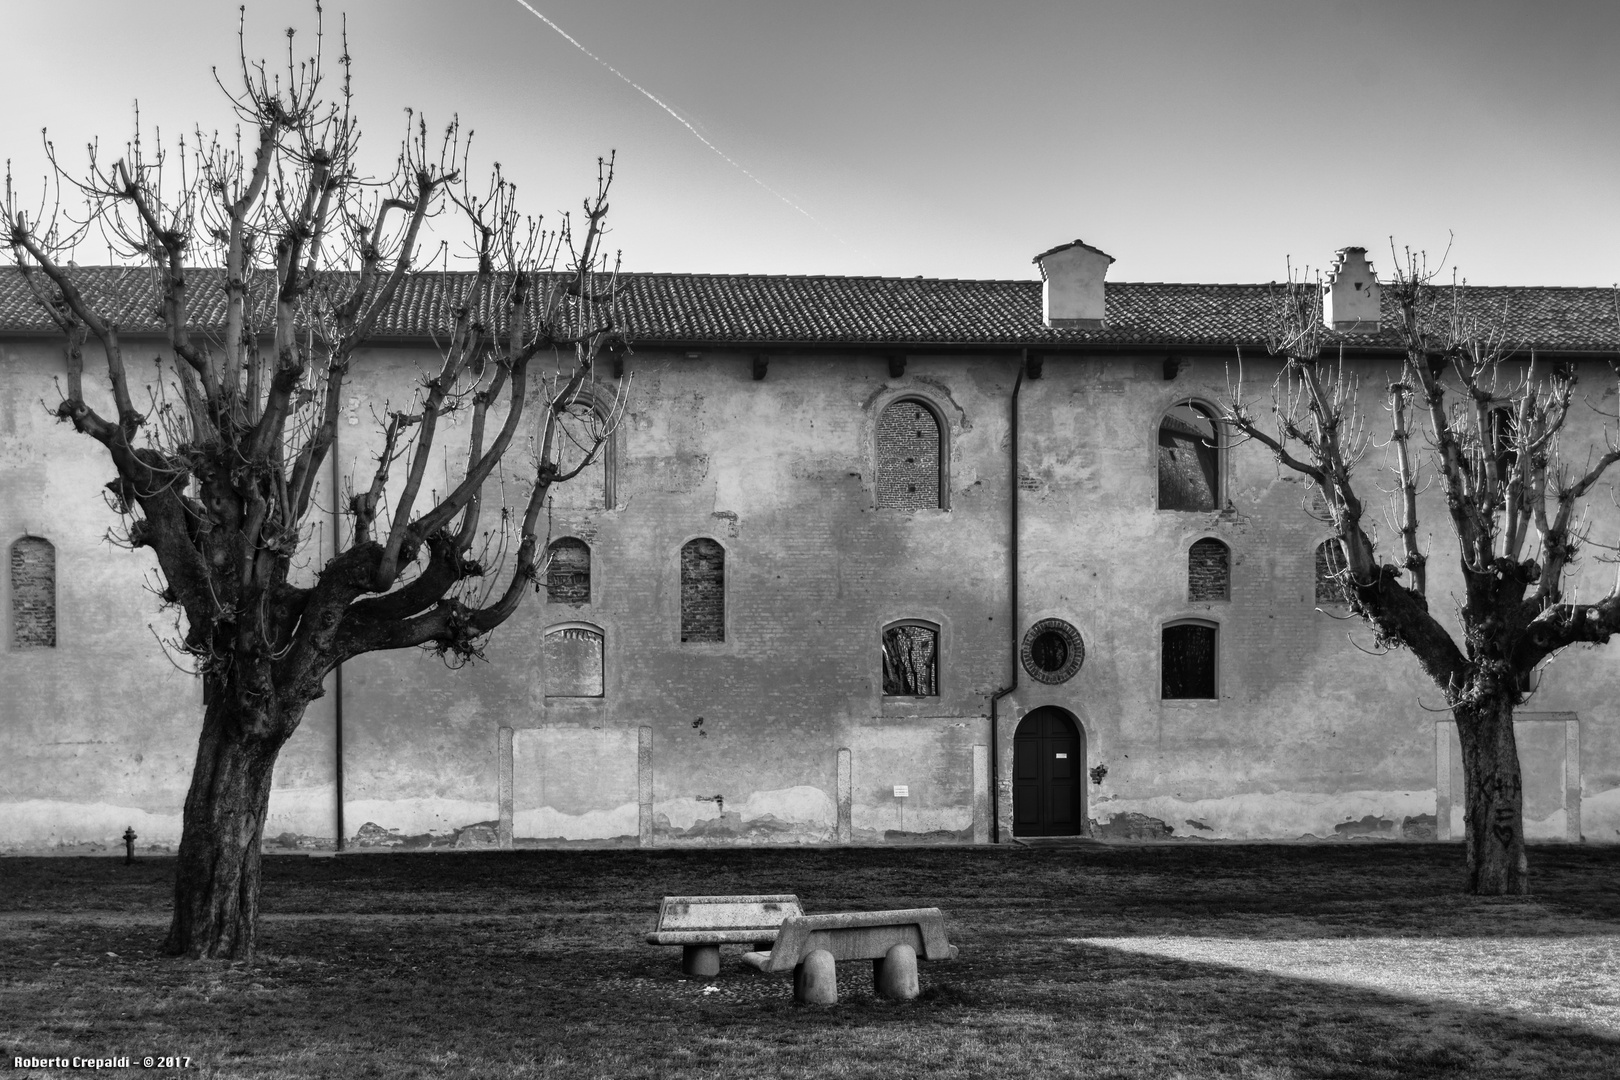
[644, 92]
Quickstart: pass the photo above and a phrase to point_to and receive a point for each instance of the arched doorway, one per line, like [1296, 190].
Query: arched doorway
[1049, 762]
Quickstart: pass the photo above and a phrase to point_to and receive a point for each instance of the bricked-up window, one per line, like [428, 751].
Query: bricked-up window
[703, 591]
[909, 448]
[1188, 658]
[1330, 572]
[33, 594]
[568, 575]
[1189, 459]
[911, 660]
[1209, 571]
[572, 655]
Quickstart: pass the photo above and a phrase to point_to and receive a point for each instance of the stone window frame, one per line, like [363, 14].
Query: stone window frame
[1191, 620]
[1316, 578]
[1223, 447]
[56, 596]
[945, 445]
[727, 641]
[1221, 540]
[590, 556]
[567, 699]
[938, 629]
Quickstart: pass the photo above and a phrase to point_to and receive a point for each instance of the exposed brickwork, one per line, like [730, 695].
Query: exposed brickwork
[1329, 561]
[908, 457]
[568, 577]
[33, 594]
[1188, 460]
[703, 591]
[1209, 571]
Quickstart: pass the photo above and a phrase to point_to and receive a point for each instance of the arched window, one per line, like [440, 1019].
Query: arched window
[572, 657]
[594, 487]
[568, 572]
[33, 594]
[1209, 570]
[911, 659]
[910, 457]
[703, 590]
[1188, 658]
[1331, 572]
[1189, 459]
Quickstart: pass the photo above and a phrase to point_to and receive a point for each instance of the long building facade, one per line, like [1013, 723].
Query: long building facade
[866, 561]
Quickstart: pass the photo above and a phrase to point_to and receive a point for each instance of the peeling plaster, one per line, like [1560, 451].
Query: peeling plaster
[1281, 815]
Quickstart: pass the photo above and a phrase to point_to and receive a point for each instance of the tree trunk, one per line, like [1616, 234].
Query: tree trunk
[216, 888]
[1494, 800]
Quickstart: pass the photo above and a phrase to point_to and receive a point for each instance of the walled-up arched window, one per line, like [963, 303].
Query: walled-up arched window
[1189, 459]
[568, 572]
[1209, 570]
[703, 590]
[572, 657]
[33, 593]
[910, 457]
[1332, 573]
[911, 659]
[1188, 658]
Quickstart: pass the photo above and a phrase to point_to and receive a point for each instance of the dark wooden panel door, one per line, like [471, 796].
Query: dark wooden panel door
[1047, 773]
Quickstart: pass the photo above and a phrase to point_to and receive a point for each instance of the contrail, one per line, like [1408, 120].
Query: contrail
[644, 92]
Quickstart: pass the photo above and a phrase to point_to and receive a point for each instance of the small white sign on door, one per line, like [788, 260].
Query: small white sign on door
[1063, 755]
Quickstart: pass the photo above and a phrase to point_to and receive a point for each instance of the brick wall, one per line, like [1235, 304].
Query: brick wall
[33, 594]
[568, 578]
[1209, 571]
[1329, 561]
[703, 591]
[907, 457]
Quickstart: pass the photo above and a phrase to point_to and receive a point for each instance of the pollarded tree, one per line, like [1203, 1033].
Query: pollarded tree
[1496, 427]
[218, 476]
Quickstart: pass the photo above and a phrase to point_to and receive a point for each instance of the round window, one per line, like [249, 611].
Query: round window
[1052, 651]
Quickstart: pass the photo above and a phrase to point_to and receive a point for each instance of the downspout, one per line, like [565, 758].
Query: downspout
[1012, 575]
[337, 688]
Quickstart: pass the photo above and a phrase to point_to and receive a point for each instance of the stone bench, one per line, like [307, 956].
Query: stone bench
[811, 945]
[701, 924]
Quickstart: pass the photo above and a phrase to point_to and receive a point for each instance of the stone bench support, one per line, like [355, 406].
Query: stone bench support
[811, 945]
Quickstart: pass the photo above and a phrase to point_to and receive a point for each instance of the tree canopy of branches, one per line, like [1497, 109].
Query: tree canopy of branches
[1494, 431]
[217, 473]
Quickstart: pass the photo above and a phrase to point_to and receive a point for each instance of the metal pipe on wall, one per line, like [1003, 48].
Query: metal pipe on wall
[1012, 574]
[337, 673]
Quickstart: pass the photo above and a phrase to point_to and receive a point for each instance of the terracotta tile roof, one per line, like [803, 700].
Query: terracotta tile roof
[751, 310]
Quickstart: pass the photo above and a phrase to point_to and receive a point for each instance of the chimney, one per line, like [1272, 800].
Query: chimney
[1350, 299]
[1072, 297]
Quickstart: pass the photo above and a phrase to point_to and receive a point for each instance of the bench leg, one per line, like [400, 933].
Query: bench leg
[702, 961]
[895, 976]
[815, 981]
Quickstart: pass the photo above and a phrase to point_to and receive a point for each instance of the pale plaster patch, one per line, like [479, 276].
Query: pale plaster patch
[1600, 817]
[802, 805]
[546, 823]
[414, 817]
[41, 825]
[310, 811]
[1278, 815]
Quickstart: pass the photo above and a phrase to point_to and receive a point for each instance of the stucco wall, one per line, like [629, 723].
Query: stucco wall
[739, 740]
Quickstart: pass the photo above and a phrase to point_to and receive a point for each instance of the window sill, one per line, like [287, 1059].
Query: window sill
[570, 699]
[1189, 702]
[911, 705]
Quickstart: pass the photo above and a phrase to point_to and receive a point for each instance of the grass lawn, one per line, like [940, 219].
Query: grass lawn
[1359, 961]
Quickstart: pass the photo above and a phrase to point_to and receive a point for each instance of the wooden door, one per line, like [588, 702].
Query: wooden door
[1048, 770]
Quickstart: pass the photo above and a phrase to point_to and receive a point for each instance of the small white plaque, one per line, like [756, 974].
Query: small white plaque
[1063, 755]
[901, 791]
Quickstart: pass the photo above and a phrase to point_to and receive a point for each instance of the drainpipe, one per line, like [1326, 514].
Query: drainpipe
[337, 688]
[1012, 576]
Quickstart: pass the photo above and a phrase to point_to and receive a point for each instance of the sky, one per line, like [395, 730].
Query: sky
[1196, 142]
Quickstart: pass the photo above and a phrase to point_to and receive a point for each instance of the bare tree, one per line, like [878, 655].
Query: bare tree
[217, 474]
[1495, 425]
